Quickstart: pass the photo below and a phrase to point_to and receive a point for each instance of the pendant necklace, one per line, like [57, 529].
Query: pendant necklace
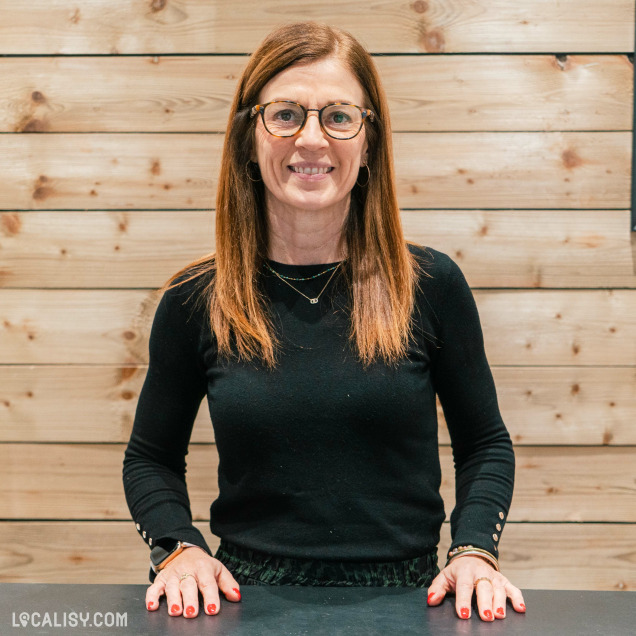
[313, 301]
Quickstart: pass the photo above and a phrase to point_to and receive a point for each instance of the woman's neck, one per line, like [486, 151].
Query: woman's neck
[305, 237]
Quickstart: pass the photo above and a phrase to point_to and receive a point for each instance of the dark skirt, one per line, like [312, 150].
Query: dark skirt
[250, 567]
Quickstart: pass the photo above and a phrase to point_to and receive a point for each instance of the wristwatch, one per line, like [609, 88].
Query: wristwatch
[165, 551]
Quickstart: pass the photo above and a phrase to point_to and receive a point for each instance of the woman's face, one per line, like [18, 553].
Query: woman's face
[283, 161]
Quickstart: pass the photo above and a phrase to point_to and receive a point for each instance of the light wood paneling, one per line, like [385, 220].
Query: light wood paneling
[540, 405]
[538, 555]
[426, 93]
[495, 248]
[560, 327]
[83, 481]
[434, 26]
[449, 170]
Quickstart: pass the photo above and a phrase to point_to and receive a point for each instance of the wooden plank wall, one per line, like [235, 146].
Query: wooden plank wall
[513, 138]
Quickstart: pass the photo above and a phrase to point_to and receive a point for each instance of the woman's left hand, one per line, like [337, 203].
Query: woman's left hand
[467, 573]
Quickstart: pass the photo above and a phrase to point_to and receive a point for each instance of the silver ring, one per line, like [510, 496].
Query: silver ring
[185, 576]
[483, 578]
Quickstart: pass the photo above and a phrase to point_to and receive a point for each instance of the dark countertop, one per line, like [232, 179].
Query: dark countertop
[293, 611]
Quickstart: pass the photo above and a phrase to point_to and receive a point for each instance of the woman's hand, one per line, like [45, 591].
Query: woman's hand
[204, 573]
[460, 577]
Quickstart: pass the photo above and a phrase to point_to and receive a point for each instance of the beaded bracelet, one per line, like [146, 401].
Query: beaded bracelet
[469, 550]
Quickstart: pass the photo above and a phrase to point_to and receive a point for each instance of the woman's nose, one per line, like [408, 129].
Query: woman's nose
[312, 134]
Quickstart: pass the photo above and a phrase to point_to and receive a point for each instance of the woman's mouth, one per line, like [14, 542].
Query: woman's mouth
[310, 170]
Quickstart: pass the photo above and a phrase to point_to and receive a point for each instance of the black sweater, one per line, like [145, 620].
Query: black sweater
[321, 458]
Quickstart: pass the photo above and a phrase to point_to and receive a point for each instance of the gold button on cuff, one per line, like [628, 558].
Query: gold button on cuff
[138, 527]
[501, 515]
[150, 541]
[495, 537]
[498, 526]
[143, 534]
[494, 546]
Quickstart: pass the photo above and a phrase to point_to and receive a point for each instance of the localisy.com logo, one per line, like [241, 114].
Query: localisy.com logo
[69, 619]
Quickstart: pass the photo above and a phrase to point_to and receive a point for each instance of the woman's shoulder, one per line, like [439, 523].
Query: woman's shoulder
[434, 267]
[189, 288]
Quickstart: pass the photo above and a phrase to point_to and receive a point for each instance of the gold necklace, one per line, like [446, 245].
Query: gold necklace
[313, 301]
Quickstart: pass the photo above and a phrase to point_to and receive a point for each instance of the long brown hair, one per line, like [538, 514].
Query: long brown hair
[379, 270]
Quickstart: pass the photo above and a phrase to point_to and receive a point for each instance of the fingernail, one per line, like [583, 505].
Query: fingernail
[523, 607]
[189, 610]
[500, 610]
[151, 604]
[174, 609]
[488, 615]
[211, 608]
[430, 596]
[236, 591]
[464, 612]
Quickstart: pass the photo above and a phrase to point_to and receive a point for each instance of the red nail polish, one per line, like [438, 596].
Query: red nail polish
[464, 612]
[430, 596]
[189, 610]
[236, 591]
[175, 609]
[488, 615]
[523, 607]
[150, 605]
[500, 610]
[211, 608]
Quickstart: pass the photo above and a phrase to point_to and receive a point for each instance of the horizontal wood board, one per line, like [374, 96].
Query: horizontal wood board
[533, 555]
[434, 170]
[560, 327]
[540, 405]
[83, 481]
[218, 26]
[426, 93]
[494, 248]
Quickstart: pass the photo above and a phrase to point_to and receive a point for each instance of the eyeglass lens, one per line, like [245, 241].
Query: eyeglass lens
[339, 120]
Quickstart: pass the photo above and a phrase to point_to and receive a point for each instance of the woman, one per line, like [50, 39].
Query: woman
[320, 339]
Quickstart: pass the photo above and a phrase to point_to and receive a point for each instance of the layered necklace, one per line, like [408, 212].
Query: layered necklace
[286, 280]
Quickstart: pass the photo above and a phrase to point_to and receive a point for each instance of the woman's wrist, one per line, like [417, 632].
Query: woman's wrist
[469, 550]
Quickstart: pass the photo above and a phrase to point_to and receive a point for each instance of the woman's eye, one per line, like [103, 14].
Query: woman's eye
[340, 118]
[286, 116]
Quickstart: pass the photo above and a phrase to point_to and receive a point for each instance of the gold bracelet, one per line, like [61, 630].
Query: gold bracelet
[469, 550]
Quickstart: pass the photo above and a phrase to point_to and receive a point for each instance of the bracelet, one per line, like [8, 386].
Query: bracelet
[469, 550]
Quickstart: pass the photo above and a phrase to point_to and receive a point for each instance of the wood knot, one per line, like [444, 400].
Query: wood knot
[38, 97]
[125, 373]
[127, 395]
[11, 223]
[562, 61]
[129, 335]
[41, 190]
[432, 41]
[155, 168]
[607, 437]
[575, 389]
[420, 6]
[571, 159]
[157, 5]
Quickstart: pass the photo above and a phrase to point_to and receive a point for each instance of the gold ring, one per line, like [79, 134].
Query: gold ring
[483, 578]
[185, 576]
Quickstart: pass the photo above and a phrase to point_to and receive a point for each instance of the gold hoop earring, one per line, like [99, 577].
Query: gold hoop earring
[248, 170]
[364, 185]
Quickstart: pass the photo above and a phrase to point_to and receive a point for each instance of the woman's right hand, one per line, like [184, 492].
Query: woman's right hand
[205, 573]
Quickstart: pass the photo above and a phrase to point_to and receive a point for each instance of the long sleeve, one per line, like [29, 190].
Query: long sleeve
[154, 463]
[482, 449]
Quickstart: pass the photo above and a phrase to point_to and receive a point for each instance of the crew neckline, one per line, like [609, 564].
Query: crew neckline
[281, 267]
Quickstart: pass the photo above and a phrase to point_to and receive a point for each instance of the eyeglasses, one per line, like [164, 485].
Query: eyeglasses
[286, 119]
